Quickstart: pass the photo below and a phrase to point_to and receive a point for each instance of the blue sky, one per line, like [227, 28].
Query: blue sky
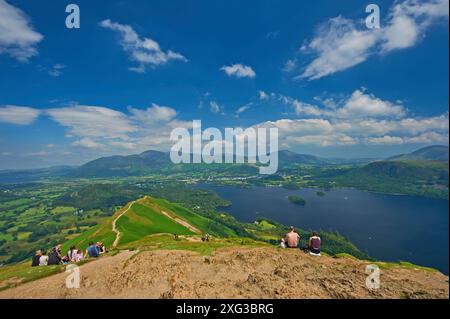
[137, 69]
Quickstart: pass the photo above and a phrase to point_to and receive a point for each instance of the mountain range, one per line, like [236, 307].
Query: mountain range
[159, 162]
[430, 153]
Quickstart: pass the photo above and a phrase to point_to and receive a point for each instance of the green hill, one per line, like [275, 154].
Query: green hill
[144, 221]
[424, 178]
[430, 153]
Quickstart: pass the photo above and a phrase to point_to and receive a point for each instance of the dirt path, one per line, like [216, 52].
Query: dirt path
[114, 228]
[182, 223]
[245, 273]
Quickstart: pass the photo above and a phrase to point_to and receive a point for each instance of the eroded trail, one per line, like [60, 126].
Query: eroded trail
[182, 223]
[245, 273]
[114, 228]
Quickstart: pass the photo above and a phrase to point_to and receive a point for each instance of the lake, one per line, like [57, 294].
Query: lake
[387, 227]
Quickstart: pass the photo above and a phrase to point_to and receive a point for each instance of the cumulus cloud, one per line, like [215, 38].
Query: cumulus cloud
[239, 71]
[340, 43]
[93, 121]
[154, 114]
[361, 118]
[108, 130]
[367, 105]
[338, 132]
[87, 143]
[358, 105]
[144, 51]
[18, 38]
[19, 115]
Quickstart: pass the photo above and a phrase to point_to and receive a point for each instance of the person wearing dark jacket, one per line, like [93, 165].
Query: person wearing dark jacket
[54, 257]
[35, 259]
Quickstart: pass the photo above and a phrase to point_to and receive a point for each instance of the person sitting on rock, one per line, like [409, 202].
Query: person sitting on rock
[93, 250]
[292, 238]
[78, 256]
[43, 261]
[35, 259]
[314, 244]
[101, 248]
[54, 257]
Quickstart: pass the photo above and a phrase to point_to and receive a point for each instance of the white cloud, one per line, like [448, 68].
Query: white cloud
[93, 121]
[125, 145]
[341, 43]
[154, 114]
[362, 118]
[299, 107]
[338, 46]
[386, 140]
[144, 51]
[408, 21]
[290, 65]
[104, 130]
[402, 33]
[302, 108]
[214, 107]
[367, 105]
[319, 132]
[358, 105]
[18, 39]
[87, 143]
[263, 95]
[39, 154]
[244, 108]
[56, 70]
[239, 71]
[20, 115]
[336, 131]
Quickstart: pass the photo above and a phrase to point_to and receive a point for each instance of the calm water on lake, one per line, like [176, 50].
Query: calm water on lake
[387, 227]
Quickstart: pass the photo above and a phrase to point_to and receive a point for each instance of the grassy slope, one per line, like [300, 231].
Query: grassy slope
[13, 275]
[142, 220]
[194, 219]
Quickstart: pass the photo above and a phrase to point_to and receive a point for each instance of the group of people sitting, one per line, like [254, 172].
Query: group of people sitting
[292, 240]
[74, 255]
[94, 250]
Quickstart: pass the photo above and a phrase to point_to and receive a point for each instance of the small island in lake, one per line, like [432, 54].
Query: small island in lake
[320, 194]
[297, 200]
